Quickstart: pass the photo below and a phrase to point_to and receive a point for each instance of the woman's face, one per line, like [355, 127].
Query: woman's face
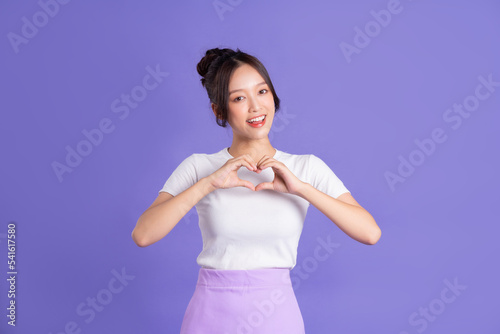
[249, 97]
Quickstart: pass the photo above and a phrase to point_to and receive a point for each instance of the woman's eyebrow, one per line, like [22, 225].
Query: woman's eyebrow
[236, 90]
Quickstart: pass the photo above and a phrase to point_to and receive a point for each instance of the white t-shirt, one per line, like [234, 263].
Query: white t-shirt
[245, 229]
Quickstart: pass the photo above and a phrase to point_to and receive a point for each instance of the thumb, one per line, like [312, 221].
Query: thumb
[264, 185]
[248, 184]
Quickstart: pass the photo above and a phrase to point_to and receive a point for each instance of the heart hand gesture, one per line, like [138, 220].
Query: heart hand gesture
[227, 177]
[284, 180]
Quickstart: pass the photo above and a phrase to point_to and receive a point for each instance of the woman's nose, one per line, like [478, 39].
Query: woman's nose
[253, 103]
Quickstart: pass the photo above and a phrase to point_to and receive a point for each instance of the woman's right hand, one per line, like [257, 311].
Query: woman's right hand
[227, 177]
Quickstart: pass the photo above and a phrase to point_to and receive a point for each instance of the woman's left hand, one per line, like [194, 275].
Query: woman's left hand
[284, 180]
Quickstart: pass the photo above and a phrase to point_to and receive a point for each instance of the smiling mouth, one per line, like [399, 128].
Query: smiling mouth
[257, 119]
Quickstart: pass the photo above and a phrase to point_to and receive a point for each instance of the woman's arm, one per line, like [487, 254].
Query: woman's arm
[166, 211]
[345, 212]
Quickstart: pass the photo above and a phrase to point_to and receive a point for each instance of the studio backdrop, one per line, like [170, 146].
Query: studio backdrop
[101, 101]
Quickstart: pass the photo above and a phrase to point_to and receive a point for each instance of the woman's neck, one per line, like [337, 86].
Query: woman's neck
[254, 149]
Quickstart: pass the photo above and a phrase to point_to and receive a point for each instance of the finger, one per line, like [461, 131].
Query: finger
[265, 157]
[247, 184]
[244, 157]
[244, 162]
[264, 185]
[250, 160]
[269, 163]
[263, 162]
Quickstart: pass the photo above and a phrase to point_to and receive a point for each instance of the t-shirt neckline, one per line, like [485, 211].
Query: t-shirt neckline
[229, 156]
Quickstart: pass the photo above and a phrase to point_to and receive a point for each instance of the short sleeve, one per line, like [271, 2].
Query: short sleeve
[324, 179]
[183, 177]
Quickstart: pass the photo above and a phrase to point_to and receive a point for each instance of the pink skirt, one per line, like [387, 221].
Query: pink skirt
[258, 301]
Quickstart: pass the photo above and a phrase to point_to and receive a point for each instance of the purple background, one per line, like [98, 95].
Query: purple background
[358, 113]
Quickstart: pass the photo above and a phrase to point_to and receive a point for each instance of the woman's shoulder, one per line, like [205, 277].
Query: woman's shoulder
[294, 161]
[284, 155]
[200, 158]
[307, 161]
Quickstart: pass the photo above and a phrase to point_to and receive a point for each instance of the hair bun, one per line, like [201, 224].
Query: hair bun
[213, 56]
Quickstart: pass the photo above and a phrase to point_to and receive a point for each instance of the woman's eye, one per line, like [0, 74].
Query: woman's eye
[239, 98]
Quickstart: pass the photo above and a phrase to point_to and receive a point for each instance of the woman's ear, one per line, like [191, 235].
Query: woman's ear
[214, 109]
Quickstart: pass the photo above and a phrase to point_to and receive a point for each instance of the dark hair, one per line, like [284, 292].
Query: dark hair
[216, 68]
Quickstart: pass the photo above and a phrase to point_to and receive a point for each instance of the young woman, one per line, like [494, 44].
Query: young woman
[250, 218]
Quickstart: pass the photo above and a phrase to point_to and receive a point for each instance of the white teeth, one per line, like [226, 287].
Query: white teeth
[257, 119]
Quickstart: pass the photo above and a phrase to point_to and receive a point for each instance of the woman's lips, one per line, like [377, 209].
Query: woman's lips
[258, 124]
